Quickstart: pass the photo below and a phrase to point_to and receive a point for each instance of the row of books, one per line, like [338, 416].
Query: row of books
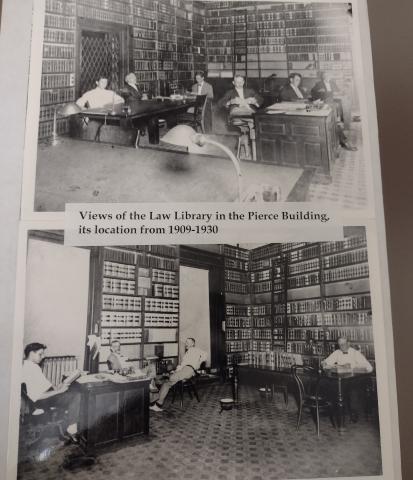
[262, 334]
[117, 302]
[235, 275]
[148, 260]
[119, 270]
[161, 305]
[303, 280]
[238, 334]
[346, 273]
[354, 256]
[120, 319]
[165, 291]
[158, 319]
[304, 266]
[239, 322]
[235, 287]
[130, 335]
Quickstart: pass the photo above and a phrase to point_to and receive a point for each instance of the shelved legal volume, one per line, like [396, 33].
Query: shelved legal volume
[139, 303]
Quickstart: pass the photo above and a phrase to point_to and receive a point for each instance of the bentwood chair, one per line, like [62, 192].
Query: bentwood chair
[189, 385]
[307, 380]
[196, 118]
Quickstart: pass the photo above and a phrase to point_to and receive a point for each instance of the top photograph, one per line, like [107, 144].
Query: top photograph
[197, 101]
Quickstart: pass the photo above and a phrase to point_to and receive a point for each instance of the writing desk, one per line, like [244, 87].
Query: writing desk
[335, 385]
[112, 411]
[297, 138]
[140, 113]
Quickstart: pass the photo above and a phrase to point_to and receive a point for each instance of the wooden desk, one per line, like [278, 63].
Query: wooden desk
[298, 139]
[336, 386]
[141, 113]
[110, 412]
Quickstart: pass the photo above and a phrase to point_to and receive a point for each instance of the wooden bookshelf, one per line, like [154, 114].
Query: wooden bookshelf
[138, 302]
[302, 298]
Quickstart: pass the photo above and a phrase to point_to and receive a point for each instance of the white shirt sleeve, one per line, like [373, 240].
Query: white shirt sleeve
[36, 382]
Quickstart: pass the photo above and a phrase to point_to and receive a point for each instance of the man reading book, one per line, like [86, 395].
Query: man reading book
[43, 394]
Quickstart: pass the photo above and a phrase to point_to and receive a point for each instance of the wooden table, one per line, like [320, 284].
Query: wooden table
[139, 114]
[111, 412]
[335, 385]
[297, 139]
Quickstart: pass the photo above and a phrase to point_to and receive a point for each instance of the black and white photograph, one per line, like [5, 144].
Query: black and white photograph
[191, 101]
[207, 361]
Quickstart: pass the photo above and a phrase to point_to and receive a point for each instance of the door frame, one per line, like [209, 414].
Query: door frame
[99, 26]
[214, 263]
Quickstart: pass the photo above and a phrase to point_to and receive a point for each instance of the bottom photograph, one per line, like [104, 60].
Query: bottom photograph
[198, 362]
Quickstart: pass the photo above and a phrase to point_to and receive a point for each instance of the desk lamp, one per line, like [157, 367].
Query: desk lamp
[65, 110]
[186, 136]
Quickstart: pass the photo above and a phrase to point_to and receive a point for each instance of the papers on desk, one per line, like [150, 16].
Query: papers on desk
[297, 108]
[287, 106]
[111, 377]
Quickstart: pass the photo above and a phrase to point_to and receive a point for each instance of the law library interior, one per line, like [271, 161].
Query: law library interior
[207, 361]
[184, 97]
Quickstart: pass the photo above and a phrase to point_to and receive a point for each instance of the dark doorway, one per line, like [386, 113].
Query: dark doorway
[102, 52]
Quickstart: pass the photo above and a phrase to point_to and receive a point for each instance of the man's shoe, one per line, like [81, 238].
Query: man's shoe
[155, 408]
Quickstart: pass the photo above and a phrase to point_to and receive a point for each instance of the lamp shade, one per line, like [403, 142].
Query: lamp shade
[69, 109]
[182, 135]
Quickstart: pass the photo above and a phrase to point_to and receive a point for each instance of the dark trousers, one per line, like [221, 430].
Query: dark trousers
[67, 404]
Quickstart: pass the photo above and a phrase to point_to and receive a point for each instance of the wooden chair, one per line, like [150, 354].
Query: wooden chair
[188, 385]
[307, 380]
[195, 119]
[39, 422]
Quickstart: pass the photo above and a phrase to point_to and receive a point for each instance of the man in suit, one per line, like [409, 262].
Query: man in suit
[240, 99]
[201, 87]
[326, 90]
[293, 92]
[131, 90]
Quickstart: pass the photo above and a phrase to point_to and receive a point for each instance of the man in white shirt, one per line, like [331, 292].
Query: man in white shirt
[40, 390]
[188, 367]
[99, 97]
[347, 356]
[116, 360]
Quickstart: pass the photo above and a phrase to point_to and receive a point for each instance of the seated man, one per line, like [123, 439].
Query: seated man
[240, 100]
[326, 90]
[201, 87]
[131, 90]
[41, 391]
[190, 363]
[347, 356]
[99, 97]
[117, 361]
[293, 92]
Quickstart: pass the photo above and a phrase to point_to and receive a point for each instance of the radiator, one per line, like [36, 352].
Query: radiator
[55, 367]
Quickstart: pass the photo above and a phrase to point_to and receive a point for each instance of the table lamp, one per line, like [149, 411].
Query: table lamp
[186, 136]
[65, 110]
